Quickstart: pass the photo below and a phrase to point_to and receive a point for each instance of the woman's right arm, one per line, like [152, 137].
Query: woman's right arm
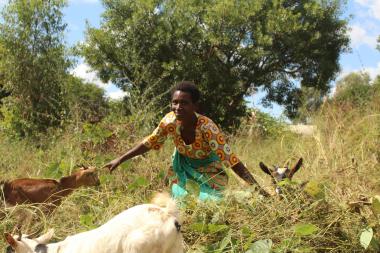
[135, 151]
[154, 141]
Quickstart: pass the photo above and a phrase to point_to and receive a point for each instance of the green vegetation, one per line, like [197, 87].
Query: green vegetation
[228, 48]
[51, 122]
[33, 66]
[341, 163]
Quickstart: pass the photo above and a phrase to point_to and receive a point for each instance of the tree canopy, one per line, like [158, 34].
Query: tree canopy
[228, 48]
[33, 65]
[355, 89]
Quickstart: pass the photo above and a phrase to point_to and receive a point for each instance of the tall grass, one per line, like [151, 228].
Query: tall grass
[341, 161]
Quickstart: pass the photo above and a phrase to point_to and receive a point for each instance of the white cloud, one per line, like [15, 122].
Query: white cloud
[359, 36]
[373, 7]
[87, 74]
[116, 94]
[373, 71]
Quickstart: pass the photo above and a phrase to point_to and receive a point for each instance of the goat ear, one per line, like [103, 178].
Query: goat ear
[264, 168]
[45, 238]
[10, 240]
[296, 168]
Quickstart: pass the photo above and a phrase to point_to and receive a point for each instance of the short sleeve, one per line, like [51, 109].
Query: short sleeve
[157, 139]
[218, 143]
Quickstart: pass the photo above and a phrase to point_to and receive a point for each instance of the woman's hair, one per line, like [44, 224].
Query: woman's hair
[188, 87]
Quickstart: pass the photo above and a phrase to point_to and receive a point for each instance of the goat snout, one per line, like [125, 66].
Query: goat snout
[177, 225]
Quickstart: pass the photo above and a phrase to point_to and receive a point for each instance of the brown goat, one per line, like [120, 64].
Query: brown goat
[31, 190]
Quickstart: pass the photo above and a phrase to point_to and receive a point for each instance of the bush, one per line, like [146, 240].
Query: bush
[354, 89]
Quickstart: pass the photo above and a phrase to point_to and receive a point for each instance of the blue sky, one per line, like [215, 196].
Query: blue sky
[364, 24]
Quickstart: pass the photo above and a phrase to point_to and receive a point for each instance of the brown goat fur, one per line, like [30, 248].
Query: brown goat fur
[32, 190]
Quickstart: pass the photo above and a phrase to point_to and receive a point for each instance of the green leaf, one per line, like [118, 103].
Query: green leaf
[366, 237]
[223, 244]
[214, 228]
[87, 220]
[305, 229]
[139, 182]
[199, 227]
[315, 190]
[261, 246]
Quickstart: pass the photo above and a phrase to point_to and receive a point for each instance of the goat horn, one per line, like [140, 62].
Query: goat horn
[19, 235]
[32, 235]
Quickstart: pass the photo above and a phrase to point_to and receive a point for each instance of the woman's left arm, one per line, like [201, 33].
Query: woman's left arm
[243, 172]
[218, 144]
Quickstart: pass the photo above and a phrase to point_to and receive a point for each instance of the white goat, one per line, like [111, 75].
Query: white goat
[146, 228]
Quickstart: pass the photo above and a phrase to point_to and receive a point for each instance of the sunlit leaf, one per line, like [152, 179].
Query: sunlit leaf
[366, 237]
[198, 227]
[305, 229]
[214, 228]
[261, 246]
[315, 190]
[87, 220]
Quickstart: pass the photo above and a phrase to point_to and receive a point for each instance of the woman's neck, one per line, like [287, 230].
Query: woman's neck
[190, 123]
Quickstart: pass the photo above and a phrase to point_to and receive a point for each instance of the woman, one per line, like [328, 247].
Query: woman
[201, 152]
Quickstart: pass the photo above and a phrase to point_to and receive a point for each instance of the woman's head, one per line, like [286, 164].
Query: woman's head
[188, 87]
[185, 97]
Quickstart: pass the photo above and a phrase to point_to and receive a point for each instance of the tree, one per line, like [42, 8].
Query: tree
[229, 48]
[355, 89]
[87, 102]
[33, 65]
[3, 92]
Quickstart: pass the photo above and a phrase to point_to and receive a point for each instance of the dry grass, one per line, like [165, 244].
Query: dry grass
[342, 158]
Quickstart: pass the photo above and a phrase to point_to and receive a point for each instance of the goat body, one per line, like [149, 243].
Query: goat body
[32, 190]
[144, 228]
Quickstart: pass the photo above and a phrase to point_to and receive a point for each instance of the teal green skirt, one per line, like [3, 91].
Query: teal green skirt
[190, 180]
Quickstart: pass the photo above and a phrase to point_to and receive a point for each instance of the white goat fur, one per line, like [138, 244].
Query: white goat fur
[146, 228]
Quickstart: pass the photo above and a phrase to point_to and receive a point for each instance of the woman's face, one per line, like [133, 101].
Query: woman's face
[182, 105]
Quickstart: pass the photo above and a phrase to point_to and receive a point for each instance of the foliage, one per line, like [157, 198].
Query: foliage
[311, 99]
[86, 101]
[3, 92]
[355, 89]
[228, 48]
[341, 162]
[263, 125]
[33, 65]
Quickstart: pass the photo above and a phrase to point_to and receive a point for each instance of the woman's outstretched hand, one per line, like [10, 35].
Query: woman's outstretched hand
[112, 165]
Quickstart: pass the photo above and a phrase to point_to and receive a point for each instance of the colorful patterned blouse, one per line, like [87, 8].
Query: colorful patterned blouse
[208, 138]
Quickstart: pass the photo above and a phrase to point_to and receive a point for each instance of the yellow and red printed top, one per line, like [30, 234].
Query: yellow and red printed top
[208, 138]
